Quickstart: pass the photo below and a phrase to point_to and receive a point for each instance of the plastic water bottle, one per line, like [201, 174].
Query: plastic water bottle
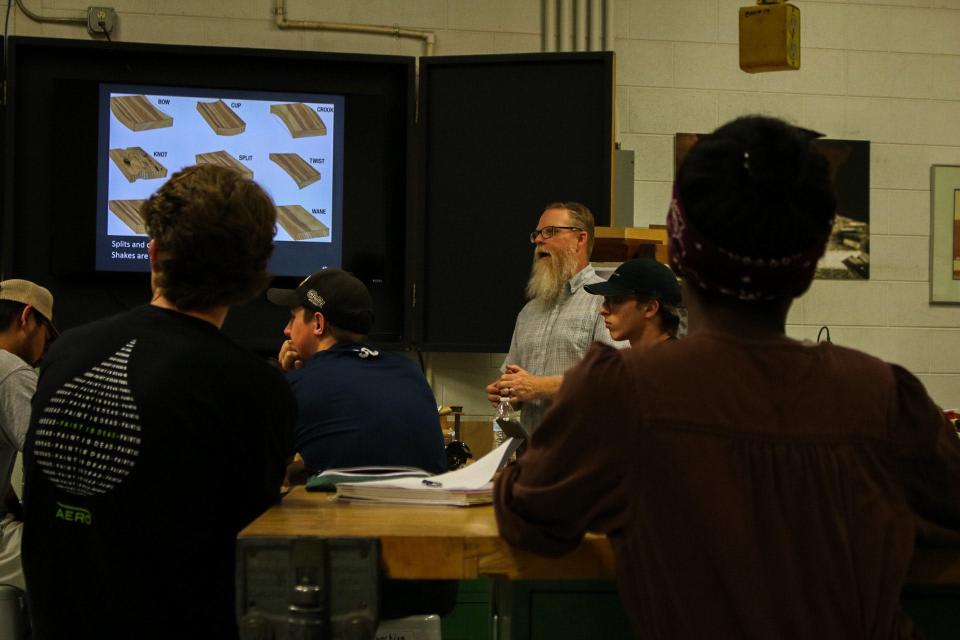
[505, 411]
[498, 435]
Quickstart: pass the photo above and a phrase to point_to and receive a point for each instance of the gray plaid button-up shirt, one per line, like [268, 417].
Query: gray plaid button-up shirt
[549, 340]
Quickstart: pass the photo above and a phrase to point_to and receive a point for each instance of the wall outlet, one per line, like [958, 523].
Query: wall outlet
[101, 20]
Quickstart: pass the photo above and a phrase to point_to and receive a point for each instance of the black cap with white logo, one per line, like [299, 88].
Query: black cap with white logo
[640, 277]
[339, 296]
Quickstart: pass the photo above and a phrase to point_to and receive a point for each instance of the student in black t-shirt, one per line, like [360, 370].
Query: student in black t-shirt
[155, 439]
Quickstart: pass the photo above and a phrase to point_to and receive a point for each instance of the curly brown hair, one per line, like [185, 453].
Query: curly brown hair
[213, 233]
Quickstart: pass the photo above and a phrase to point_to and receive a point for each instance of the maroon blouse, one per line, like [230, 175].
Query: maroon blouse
[750, 489]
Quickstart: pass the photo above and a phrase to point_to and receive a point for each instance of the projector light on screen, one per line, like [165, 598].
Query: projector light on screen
[291, 144]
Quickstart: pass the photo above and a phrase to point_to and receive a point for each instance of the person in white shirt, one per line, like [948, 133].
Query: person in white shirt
[26, 328]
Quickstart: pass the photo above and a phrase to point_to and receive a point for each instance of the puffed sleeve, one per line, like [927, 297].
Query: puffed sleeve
[571, 478]
[928, 451]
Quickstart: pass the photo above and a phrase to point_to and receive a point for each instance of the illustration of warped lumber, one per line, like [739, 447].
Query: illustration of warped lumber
[129, 212]
[299, 224]
[138, 114]
[135, 164]
[221, 118]
[301, 120]
[297, 168]
[224, 159]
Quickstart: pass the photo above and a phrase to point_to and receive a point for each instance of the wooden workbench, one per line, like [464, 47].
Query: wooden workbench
[463, 543]
[456, 543]
[530, 596]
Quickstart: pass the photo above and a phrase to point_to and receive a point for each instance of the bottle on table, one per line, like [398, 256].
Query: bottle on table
[505, 411]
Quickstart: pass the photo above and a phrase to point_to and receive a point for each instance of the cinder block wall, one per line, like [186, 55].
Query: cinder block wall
[887, 71]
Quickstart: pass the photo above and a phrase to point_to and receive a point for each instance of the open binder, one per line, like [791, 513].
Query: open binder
[470, 485]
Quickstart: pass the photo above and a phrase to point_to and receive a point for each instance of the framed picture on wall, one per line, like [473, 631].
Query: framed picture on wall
[848, 251]
[945, 234]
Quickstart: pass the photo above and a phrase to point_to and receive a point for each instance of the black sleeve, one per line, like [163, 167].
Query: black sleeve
[263, 440]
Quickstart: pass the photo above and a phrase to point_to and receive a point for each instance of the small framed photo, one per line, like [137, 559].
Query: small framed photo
[945, 234]
[847, 256]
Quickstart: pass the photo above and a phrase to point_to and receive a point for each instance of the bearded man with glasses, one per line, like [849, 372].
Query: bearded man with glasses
[560, 320]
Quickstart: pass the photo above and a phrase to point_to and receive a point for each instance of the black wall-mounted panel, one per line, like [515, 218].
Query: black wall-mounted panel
[503, 136]
[51, 167]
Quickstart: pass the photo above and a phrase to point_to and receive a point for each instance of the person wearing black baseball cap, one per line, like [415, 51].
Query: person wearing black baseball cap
[332, 370]
[331, 306]
[641, 302]
[358, 406]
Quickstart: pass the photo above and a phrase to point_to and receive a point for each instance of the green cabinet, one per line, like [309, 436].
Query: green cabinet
[472, 619]
[540, 610]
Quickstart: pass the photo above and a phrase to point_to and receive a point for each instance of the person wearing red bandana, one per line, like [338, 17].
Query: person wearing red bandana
[751, 485]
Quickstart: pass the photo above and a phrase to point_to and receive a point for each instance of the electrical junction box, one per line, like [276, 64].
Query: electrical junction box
[101, 20]
[769, 37]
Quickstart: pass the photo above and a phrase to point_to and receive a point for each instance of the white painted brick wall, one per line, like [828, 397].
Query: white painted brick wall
[887, 71]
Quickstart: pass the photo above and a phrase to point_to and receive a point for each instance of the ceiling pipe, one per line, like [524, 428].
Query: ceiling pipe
[36, 17]
[596, 25]
[428, 37]
[608, 27]
[549, 25]
[580, 25]
[566, 27]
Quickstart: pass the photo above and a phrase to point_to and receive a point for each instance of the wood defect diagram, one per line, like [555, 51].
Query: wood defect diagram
[221, 118]
[140, 113]
[301, 120]
[137, 114]
[224, 159]
[136, 164]
[296, 221]
[297, 168]
[129, 212]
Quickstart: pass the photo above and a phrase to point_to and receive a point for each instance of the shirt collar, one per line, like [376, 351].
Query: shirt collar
[346, 346]
[582, 277]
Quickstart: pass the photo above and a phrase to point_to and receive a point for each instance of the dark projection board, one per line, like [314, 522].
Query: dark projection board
[502, 136]
[52, 148]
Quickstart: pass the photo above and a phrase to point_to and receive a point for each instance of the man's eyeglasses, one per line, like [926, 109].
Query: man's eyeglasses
[549, 232]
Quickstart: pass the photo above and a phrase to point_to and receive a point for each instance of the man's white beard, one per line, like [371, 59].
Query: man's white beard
[550, 274]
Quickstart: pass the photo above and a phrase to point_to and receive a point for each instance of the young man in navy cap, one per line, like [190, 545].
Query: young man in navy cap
[358, 406]
[640, 302]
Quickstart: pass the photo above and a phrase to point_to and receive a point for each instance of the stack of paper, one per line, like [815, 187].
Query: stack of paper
[326, 480]
[463, 487]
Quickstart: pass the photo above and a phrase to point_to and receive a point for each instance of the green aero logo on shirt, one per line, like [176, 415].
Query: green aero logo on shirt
[70, 513]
